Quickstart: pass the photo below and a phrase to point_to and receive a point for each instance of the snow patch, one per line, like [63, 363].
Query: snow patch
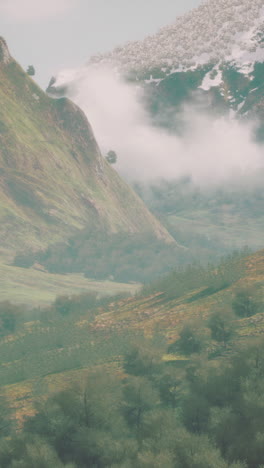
[153, 80]
[212, 79]
[240, 105]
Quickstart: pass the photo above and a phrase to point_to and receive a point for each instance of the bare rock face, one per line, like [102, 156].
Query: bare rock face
[5, 56]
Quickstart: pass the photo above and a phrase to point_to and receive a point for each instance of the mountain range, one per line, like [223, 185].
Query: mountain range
[215, 50]
[99, 373]
[55, 182]
[210, 61]
[216, 31]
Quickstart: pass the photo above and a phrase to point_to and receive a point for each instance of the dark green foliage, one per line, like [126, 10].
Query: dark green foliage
[76, 305]
[195, 413]
[170, 387]
[222, 327]
[121, 257]
[10, 317]
[245, 304]
[84, 425]
[144, 359]
[31, 70]
[190, 341]
[209, 280]
[6, 415]
[147, 413]
[128, 257]
[111, 157]
[215, 418]
[226, 403]
[139, 398]
[197, 451]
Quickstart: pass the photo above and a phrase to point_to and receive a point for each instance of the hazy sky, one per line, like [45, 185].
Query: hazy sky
[54, 34]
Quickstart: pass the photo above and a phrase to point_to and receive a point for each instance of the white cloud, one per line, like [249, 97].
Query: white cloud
[32, 10]
[213, 149]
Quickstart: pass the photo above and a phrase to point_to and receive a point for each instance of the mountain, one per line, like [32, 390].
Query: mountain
[216, 31]
[53, 178]
[209, 61]
[212, 60]
[215, 50]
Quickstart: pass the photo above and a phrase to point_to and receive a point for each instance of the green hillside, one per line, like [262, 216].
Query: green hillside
[77, 334]
[35, 287]
[185, 356]
[53, 179]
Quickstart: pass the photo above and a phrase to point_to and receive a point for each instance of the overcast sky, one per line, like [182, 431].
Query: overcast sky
[54, 34]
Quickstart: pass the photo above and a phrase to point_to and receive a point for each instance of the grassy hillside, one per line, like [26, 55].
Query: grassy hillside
[56, 348]
[36, 288]
[53, 179]
[167, 308]
[89, 387]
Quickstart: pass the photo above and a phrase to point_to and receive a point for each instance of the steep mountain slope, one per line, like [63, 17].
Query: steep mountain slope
[53, 178]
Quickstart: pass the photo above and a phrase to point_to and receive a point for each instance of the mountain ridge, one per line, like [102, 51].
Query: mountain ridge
[53, 178]
[215, 50]
[215, 30]
[5, 56]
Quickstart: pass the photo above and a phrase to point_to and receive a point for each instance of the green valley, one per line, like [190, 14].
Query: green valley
[132, 310]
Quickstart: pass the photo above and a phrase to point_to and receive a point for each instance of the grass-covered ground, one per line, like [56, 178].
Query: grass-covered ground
[54, 180]
[37, 288]
[56, 349]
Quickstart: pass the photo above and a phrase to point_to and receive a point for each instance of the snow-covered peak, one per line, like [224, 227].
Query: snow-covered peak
[218, 30]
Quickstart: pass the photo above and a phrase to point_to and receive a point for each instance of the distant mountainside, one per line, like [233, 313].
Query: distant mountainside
[53, 179]
[218, 30]
[215, 51]
[211, 58]
[210, 61]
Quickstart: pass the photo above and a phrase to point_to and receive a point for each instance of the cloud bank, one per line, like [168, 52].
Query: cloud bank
[31, 10]
[212, 151]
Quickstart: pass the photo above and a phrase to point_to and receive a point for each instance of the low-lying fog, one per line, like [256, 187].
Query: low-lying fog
[212, 150]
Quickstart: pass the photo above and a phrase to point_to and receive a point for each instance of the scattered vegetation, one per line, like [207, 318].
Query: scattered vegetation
[208, 221]
[122, 257]
[31, 70]
[138, 401]
[245, 304]
[36, 287]
[206, 279]
[111, 157]
[207, 414]
[125, 257]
